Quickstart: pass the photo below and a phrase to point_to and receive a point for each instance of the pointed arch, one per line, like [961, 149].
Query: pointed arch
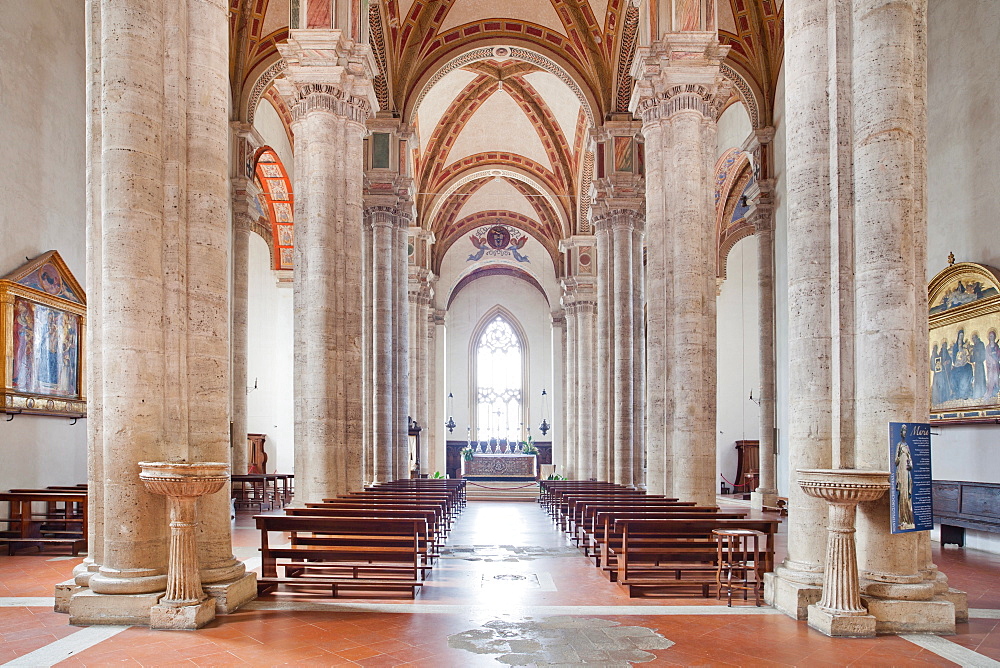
[276, 189]
[498, 376]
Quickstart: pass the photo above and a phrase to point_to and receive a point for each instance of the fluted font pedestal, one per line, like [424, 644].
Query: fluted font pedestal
[185, 605]
[839, 611]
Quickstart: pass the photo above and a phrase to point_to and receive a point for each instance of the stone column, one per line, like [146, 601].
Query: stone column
[245, 142]
[328, 87]
[162, 303]
[762, 216]
[436, 444]
[604, 363]
[659, 339]
[570, 395]
[368, 334]
[891, 339]
[383, 368]
[241, 262]
[813, 278]
[638, 358]
[558, 406]
[401, 356]
[94, 347]
[586, 401]
[622, 344]
[617, 219]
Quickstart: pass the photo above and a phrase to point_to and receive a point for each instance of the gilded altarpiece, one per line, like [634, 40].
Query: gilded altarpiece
[964, 325]
[43, 313]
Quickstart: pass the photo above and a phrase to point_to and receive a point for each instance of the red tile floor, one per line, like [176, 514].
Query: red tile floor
[461, 595]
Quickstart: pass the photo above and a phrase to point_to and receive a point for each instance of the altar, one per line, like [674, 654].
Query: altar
[516, 466]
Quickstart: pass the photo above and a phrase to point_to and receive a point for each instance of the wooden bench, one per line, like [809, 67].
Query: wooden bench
[393, 496]
[438, 526]
[580, 509]
[659, 554]
[454, 487]
[354, 554]
[64, 521]
[430, 540]
[604, 536]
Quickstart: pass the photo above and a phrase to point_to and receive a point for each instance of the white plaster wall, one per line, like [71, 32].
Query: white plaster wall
[963, 128]
[734, 127]
[42, 130]
[738, 356]
[530, 309]
[269, 360]
[781, 285]
[267, 122]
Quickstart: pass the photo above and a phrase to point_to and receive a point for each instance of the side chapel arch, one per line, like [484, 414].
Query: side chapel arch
[733, 174]
[276, 189]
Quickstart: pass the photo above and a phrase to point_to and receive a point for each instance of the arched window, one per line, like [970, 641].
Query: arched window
[499, 381]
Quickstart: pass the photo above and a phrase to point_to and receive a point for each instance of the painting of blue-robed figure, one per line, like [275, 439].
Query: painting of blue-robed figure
[964, 343]
[46, 349]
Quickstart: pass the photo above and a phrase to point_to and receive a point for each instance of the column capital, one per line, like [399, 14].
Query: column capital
[680, 73]
[439, 316]
[558, 318]
[619, 218]
[327, 72]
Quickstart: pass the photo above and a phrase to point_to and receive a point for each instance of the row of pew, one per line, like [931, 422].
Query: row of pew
[648, 543]
[53, 516]
[382, 540]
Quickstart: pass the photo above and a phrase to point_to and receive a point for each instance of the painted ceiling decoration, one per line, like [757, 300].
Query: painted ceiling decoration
[278, 201]
[505, 92]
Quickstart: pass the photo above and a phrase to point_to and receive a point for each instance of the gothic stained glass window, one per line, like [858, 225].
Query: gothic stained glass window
[498, 382]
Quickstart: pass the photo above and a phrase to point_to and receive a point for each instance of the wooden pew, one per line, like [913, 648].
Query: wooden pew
[552, 490]
[604, 536]
[354, 554]
[394, 496]
[577, 507]
[438, 526]
[430, 540]
[455, 486]
[658, 554]
[64, 521]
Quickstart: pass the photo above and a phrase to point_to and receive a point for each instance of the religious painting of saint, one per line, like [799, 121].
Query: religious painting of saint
[43, 339]
[964, 351]
[46, 350]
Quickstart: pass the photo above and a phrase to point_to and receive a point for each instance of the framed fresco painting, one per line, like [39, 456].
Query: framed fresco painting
[43, 313]
[964, 328]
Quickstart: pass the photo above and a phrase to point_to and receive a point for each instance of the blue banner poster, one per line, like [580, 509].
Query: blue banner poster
[910, 506]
